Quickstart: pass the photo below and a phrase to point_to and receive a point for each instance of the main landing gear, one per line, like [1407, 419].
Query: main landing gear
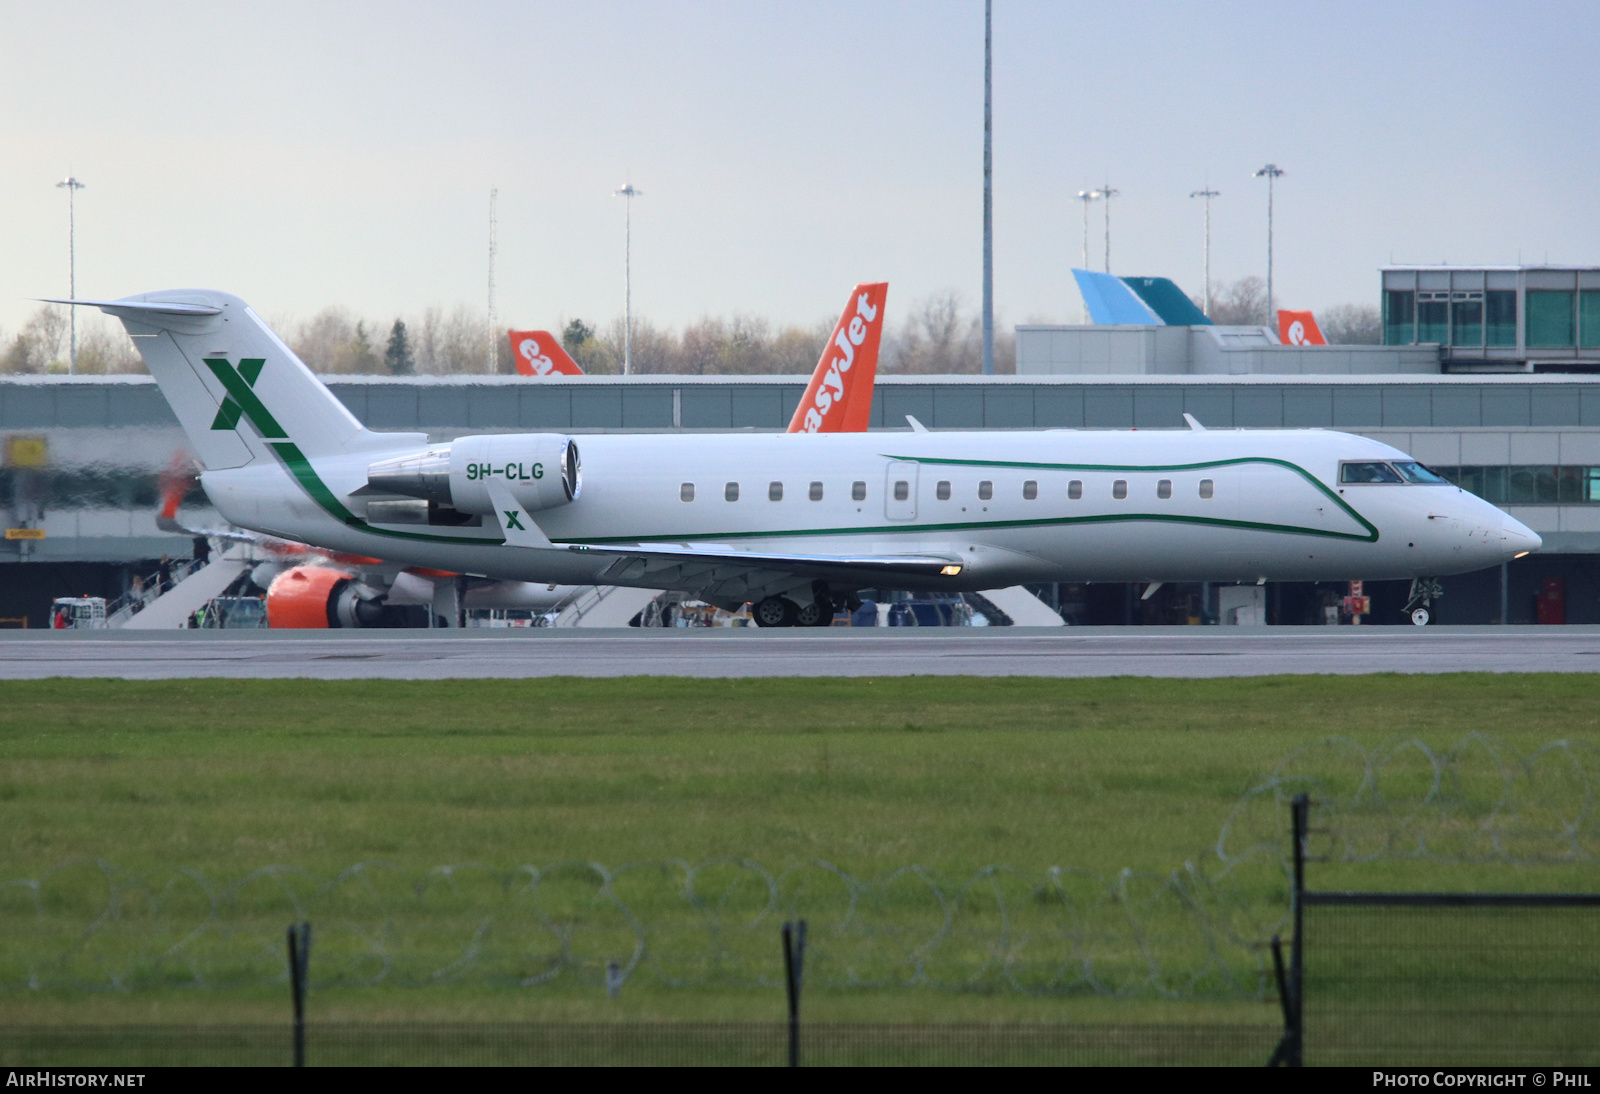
[1424, 591]
[780, 611]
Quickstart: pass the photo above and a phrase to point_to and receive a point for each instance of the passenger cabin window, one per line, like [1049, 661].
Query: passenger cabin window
[1207, 488]
[1164, 489]
[858, 491]
[985, 490]
[774, 491]
[942, 491]
[1075, 489]
[686, 492]
[1368, 473]
[1119, 489]
[731, 491]
[902, 490]
[1030, 490]
[816, 491]
[1412, 471]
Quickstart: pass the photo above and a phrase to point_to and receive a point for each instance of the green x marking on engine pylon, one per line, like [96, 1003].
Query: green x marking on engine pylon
[241, 399]
[512, 522]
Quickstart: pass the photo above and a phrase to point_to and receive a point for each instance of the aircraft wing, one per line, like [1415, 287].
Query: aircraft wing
[726, 573]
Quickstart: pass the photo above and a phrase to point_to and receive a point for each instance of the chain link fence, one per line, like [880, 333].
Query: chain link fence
[1196, 932]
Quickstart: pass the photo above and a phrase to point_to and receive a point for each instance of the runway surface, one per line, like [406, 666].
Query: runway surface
[1110, 651]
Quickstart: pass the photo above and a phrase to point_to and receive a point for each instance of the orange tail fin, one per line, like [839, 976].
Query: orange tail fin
[1299, 328]
[839, 397]
[537, 353]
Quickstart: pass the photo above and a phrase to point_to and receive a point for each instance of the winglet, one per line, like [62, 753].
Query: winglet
[519, 527]
[1194, 424]
[916, 426]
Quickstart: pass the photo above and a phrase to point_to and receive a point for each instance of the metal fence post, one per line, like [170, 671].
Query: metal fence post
[1301, 812]
[299, 966]
[794, 960]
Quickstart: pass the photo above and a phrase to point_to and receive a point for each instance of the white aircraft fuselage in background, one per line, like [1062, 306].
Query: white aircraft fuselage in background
[737, 517]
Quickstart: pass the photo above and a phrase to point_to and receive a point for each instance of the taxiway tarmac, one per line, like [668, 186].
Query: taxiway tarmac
[1110, 651]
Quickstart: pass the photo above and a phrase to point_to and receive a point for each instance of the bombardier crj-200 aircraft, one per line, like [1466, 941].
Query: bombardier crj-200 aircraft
[797, 523]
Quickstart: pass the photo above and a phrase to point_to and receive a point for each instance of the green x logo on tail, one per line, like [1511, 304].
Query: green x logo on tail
[241, 399]
[512, 523]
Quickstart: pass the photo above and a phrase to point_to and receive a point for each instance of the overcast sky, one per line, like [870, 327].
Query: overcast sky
[307, 154]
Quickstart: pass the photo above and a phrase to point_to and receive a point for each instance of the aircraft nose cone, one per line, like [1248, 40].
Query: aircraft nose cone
[1518, 538]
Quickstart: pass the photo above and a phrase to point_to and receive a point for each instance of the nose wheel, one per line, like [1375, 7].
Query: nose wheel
[1424, 590]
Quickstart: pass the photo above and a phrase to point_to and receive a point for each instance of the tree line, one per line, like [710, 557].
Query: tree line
[938, 334]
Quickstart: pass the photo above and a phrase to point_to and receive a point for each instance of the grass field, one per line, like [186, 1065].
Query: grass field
[950, 774]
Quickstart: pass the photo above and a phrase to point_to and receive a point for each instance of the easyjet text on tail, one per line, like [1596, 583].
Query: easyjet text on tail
[839, 397]
[537, 353]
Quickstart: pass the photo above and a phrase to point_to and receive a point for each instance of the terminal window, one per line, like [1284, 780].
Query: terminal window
[1398, 316]
[1433, 309]
[1550, 319]
[1589, 319]
[1466, 319]
[1500, 317]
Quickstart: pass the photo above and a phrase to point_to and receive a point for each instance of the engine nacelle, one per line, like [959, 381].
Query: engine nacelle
[542, 471]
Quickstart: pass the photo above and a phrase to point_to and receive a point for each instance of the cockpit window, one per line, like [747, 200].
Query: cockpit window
[1368, 472]
[1415, 472]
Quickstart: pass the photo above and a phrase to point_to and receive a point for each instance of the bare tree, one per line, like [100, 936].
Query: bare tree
[41, 344]
[1352, 325]
[104, 347]
[1240, 304]
[936, 338]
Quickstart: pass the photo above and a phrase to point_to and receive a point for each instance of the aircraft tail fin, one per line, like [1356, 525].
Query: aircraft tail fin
[1299, 328]
[1111, 301]
[839, 397]
[538, 353]
[239, 392]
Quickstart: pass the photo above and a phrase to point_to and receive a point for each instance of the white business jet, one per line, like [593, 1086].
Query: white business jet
[797, 522]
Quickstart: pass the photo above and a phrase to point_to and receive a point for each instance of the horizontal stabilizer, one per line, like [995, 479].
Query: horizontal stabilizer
[135, 307]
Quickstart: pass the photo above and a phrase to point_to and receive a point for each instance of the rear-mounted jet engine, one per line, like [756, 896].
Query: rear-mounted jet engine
[542, 471]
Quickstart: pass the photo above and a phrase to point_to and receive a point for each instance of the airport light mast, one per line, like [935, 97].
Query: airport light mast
[72, 186]
[494, 196]
[988, 196]
[627, 194]
[1208, 194]
[1270, 172]
[1086, 196]
[1106, 193]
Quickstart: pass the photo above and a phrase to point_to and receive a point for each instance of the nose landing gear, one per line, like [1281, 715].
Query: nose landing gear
[1424, 590]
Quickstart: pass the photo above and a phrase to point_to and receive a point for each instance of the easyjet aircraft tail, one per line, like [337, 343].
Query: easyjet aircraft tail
[1299, 328]
[537, 353]
[839, 397]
